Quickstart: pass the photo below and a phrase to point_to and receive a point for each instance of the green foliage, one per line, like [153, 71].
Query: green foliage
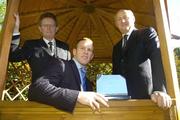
[2, 10]
[95, 69]
[177, 59]
[19, 76]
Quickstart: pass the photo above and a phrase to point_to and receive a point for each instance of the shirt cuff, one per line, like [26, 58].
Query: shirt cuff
[16, 33]
[16, 38]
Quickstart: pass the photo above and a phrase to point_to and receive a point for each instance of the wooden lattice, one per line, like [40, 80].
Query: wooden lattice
[19, 78]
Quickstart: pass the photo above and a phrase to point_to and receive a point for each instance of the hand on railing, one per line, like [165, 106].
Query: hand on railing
[162, 99]
[92, 99]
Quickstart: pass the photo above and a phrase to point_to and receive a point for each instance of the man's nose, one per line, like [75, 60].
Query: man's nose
[123, 20]
[86, 50]
[48, 27]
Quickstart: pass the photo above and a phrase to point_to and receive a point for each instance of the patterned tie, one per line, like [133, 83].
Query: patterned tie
[83, 76]
[124, 41]
[50, 45]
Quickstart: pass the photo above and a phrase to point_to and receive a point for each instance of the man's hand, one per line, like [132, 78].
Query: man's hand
[17, 23]
[162, 99]
[92, 99]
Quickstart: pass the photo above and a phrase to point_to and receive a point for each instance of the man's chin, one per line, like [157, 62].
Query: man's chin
[84, 62]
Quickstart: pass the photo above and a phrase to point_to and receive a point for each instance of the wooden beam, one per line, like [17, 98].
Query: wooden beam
[75, 3]
[167, 54]
[118, 110]
[6, 37]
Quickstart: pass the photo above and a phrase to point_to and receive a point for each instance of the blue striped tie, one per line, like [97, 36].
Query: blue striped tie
[83, 76]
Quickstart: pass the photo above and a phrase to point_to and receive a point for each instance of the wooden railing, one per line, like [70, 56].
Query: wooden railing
[118, 110]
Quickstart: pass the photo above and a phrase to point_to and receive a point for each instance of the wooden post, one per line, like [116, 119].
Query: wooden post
[5, 39]
[167, 55]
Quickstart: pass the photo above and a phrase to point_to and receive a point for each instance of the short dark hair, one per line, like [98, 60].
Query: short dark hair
[47, 15]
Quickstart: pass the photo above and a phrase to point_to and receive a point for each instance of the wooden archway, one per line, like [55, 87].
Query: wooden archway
[153, 11]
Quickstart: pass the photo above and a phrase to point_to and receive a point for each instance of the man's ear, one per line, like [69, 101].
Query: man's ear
[92, 56]
[39, 29]
[57, 28]
[74, 51]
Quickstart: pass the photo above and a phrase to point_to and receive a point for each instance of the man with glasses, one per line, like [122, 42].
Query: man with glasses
[38, 51]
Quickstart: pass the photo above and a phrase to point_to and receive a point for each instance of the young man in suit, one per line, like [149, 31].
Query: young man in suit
[137, 57]
[61, 85]
[38, 51]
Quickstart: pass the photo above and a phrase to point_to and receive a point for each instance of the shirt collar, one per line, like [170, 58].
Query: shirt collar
[47, 41]
[79, 66]
[129, 32]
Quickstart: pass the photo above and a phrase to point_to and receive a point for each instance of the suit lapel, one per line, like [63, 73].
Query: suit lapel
[44, 46]
[76, 73]
[132, 40]
[42, 43]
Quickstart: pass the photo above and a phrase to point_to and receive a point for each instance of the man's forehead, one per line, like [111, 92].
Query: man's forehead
[48, 20]
[86, 43]
[123, 14]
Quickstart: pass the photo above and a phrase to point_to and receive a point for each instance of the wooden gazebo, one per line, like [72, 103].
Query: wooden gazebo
[94, 19]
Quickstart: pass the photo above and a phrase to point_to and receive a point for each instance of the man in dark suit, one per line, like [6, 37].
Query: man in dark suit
[61, 85]
[38, 51]
[137, 57]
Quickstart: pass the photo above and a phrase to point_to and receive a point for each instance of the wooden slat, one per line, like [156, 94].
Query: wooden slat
[75, 3]
[65, 29]
[6, 39]
[141, 6]
[104, 38]
[108, 21]
[145, 20]
[118, 110]
[105, 2]
[67, 19]
[167, 54]
[73, 36]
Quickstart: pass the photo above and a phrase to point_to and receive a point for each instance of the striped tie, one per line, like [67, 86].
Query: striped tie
[83, 76]
[124, 41]
[50, 45]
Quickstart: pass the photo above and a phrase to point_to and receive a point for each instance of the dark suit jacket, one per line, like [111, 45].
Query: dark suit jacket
[37, 54]
[58, 86]
[140, 63]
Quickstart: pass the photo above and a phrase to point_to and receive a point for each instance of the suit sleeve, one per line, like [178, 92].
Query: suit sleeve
[47, 90]
[16, 39]
[18, 53]
[116, 59]
[154, 54]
